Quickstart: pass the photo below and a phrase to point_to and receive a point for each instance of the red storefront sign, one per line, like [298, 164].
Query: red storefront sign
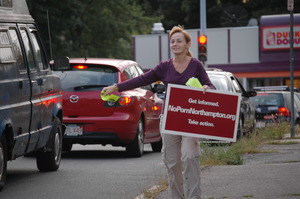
[189, 112]
[278, 37]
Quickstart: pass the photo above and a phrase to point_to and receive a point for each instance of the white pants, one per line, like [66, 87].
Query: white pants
[181, 151]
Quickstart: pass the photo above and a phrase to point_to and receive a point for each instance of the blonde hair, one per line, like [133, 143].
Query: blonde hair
[180, 29]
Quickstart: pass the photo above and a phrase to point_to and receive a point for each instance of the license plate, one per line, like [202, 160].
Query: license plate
[273, 108]
[74, 130]
[269, 117]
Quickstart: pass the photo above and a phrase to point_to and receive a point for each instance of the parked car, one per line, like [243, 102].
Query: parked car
[273, 104]
[226, 81]
[130, 122]
[30, 95]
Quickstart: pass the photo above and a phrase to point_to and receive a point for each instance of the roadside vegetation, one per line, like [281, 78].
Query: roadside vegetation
[231, 154]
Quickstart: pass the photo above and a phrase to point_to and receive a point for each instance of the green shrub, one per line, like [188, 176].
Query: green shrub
[231, 154]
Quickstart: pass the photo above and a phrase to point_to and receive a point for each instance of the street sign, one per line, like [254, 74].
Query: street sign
[189, 112]
[290, 5]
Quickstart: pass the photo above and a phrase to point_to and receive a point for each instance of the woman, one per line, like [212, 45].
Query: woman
[176, 150]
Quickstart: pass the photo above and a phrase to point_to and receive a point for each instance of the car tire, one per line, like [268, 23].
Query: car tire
[50, 160]
[156, 146]
[136, 148]
[240, 129]
[254, 126]
[3, 161]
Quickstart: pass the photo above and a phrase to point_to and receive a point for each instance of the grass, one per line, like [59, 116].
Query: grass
[250, 144]
[282, 143]
[161, 186]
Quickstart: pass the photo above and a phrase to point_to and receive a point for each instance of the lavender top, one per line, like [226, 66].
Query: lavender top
[166, 72]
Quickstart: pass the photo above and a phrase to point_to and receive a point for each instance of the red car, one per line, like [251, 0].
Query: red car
[130, 122]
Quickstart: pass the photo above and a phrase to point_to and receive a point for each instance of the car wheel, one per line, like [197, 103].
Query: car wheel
[136, 148]
[156, 146]
[3, 161]
[50, 160]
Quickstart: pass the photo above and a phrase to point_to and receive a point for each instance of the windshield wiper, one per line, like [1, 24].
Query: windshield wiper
[88, 86]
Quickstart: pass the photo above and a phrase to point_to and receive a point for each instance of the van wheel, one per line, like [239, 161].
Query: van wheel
[50, 160]
[3, 161]
[136, 148]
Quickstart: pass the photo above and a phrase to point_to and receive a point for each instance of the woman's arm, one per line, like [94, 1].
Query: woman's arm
[142, 80]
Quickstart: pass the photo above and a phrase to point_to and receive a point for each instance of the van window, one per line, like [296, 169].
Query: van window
[17, 48]
[39, 54]
[29, 53]
[6, 53]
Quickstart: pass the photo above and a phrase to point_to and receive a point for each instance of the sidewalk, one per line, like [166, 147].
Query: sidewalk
[271, 175]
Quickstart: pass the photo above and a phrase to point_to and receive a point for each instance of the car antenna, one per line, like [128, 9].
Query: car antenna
[85, 56]
[49, 35]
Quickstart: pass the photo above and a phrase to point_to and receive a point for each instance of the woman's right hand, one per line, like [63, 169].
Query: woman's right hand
[109, 89]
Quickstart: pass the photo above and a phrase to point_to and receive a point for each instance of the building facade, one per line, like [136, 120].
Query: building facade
[257, 55]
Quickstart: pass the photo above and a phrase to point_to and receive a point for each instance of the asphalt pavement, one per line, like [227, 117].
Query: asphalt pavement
[274, 174]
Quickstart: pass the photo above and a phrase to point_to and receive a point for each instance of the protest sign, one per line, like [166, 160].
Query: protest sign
[189, 112]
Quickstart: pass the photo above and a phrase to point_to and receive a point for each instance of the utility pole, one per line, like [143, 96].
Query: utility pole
[203, 16]
[203, 24]
[290, 7]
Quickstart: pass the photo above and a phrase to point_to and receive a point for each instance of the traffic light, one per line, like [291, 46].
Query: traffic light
[202, 50]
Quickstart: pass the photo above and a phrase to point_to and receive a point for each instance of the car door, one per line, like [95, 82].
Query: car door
[297, 108]
[154, 106]
[246, 110]
[142, 95]
[35, 82]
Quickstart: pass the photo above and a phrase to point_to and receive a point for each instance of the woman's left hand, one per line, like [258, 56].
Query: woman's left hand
[205, 87]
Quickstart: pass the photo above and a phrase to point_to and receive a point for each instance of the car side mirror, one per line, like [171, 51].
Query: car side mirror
[251, 93]
[61, 64]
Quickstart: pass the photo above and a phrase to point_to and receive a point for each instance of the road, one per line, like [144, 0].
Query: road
[88, 172]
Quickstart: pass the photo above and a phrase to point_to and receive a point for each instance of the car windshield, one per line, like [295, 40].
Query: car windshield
[82, 77]
[220, 82]
[268, 99]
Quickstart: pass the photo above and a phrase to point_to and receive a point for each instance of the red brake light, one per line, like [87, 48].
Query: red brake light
[80, 67]
[155, 108]
[124, 101]
[284, 112]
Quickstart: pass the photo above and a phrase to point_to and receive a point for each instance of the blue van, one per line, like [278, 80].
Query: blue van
[30, 94]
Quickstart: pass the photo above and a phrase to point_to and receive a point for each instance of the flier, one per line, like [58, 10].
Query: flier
[189, 112]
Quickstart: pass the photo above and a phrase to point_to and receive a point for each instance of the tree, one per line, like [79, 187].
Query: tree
[63, 18]
[104, 28]
[90, 28]
[219, 13]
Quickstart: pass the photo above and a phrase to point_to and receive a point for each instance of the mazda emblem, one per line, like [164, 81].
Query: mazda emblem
[74, 98]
